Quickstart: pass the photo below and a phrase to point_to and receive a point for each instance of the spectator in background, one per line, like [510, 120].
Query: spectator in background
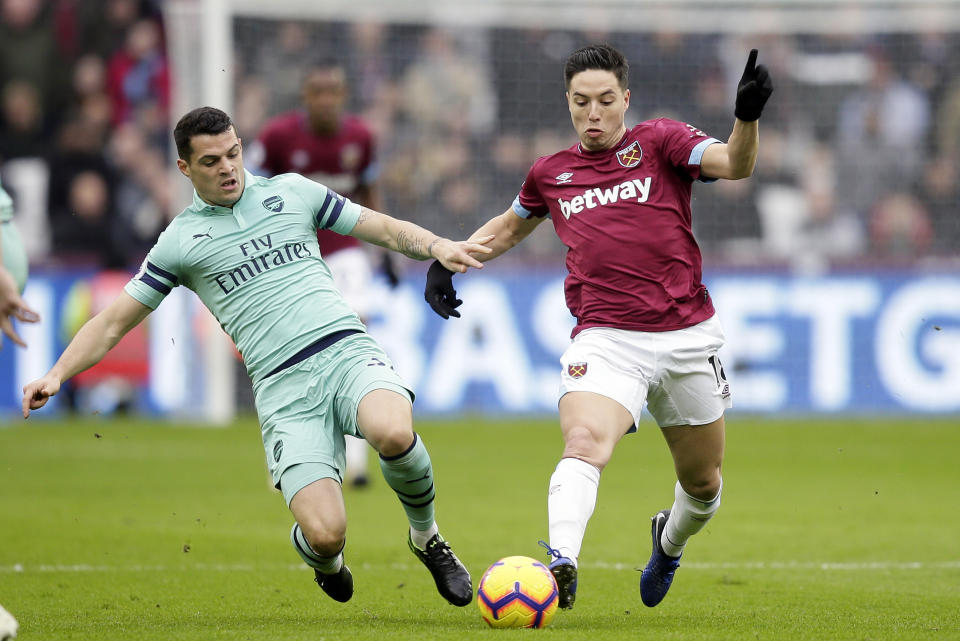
[22, 131]
[143, 188]
[447, 92]
[138, 79]
[83, 218]
[324, 143]
[29, 53]
[881, 136]
[900, 227]
[102, 25]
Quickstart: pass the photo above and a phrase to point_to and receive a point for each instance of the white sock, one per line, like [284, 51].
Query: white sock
[687, 517]
[421, 537]
[570, 503]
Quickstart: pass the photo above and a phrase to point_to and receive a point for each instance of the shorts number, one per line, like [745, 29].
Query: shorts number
[717, 369]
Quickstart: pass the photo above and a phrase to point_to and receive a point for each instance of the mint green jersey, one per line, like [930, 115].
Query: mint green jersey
[6, 206]
[257, 266]
[14, 255]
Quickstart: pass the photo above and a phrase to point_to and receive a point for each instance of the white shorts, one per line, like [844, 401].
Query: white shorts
[677, 373]
[352, 275]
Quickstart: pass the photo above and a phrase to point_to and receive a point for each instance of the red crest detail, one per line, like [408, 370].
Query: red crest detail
[576, 370]
[631, 155]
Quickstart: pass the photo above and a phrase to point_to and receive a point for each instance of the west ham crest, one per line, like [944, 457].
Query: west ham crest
[576, 370]
[630, 156]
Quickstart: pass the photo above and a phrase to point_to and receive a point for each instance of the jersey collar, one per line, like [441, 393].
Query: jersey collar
[615, 148]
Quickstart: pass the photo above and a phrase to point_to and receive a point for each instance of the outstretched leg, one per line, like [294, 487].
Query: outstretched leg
[697, 455]
[319, 534]
[386, 420]
[592, 425]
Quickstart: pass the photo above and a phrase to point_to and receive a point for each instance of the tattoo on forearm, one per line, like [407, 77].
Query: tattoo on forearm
[430, 247]
[411, 245]
[364, 216]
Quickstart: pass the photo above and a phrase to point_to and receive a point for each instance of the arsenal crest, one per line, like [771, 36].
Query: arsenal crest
[576, 370]
[630, 156]
[274, 204]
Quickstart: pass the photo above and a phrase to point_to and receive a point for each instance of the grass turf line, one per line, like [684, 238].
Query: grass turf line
[191, 542]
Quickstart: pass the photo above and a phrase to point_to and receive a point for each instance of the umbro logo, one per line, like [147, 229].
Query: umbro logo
[274, 204]
[206, 234]
[564, 178]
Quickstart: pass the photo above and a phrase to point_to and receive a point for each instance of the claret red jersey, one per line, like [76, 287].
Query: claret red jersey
[342, 161]
[624, 215]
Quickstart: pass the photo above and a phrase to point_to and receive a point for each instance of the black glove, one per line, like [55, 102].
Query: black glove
[754, 89]
[439, 291]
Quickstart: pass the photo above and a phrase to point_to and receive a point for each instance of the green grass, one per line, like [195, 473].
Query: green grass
[133, 530]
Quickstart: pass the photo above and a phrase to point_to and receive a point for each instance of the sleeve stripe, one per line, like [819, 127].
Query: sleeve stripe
[156, 284]
[162, 273]
[323, 208]
[519, 209]
[696, 154]
[334, 213]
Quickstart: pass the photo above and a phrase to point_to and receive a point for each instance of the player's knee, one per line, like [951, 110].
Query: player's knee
[392, 439]
[703, 486]
[325, 539]
[581, 443]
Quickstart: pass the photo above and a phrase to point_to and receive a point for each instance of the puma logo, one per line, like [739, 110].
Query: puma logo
[206, 234]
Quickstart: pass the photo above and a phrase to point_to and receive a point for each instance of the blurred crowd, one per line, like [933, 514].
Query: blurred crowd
[860, 144]
[84, 128]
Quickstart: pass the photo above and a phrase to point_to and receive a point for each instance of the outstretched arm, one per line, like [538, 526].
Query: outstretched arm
[498, 234]
[507, 230]
[737, 158]
[416, 242]
[97, 337]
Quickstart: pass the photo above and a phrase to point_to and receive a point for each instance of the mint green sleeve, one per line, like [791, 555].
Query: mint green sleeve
[160, 272]
[330, 210]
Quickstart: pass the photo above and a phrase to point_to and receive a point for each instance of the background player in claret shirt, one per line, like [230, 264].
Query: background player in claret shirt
[247, 246]
[324, 143]
[646, 330]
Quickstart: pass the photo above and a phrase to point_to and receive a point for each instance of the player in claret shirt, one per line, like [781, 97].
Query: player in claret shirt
[646, 329]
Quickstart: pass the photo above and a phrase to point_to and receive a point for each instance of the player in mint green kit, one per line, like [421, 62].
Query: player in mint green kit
[248, 247]
[13, 273]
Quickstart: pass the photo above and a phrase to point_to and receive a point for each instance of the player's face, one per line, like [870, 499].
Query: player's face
[215, 167]
[324, 96]
[597, 106]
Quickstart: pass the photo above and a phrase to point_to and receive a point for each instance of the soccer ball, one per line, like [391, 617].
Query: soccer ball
[517, 592]
[8, 625]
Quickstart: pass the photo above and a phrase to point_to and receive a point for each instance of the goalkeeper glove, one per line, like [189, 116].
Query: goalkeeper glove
[439, 291]
[754, 89]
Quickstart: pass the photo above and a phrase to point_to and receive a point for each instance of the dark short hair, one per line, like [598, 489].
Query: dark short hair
[201, 121]
[322, 65]
[603, 57]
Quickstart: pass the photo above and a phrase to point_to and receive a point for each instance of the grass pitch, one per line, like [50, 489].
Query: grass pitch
[129, 530]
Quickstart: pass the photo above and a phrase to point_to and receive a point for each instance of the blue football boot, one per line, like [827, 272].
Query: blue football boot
[564, 570]
[658, 575]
